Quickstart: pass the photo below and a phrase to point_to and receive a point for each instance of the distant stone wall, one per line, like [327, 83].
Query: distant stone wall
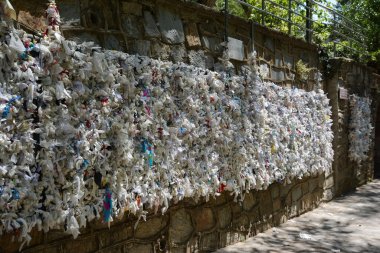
[187, 226]
[179, 31]
[359, 80]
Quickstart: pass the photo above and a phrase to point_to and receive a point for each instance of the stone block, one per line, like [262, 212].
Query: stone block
[121, 234]
[130, 26]
[277, 75]
[265, 204]
[241, 223]
[70, 12]
[178, 53]
[279, 218]
[235, 49]
[24, 17]
[289, 61]
[141, 47]
[204, 219]
[150, 25]
[81, 245]
[269, 43]
[111, 42]
[212, 43]
[329, 182]
[219, 200]
[132, 8]
[160, 50]
[305, 187]
[235, 237]
[278, 59]
[249, 201]
[321, 179]
[296, 193]
[295, 209]
[140, 248]
[170, 26]
[55, 235]
[224, 216]
[209, 242]
[52, 249]
[192, 35]
[237, 209]
[150, 228]
[180, 226]
[208, 28]
[275, 191]
[83, 37]
[313, 184]
[178, 250]
[276, 205]
[307, 202]
[304, 56]
[254, 214]
[222, 240]
[327, 195]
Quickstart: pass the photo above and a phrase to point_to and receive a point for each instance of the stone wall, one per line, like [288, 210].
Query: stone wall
[179, 31]
[359, 80]
[187, 226]
[183, 31]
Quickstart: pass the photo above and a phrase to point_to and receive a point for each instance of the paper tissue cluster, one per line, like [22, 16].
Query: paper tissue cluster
[86, 133]
[360, 134]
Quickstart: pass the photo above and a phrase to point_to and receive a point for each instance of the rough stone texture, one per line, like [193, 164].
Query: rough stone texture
[34, 22]
[140, 248]
[188, 226]
[192, 36]
[249, 201]
[113, 43]
[150, 228]
[346, 174]
[130, 25]
[150, 26]
[170, 26]
[277, 75]
[180, 226]
[235, 49]
[141, 47]
[297, 193]
[178, 53]
[224, 216]
[204, 219]
[70, 12]
[211, 43]
[132, 8]
[160, 50]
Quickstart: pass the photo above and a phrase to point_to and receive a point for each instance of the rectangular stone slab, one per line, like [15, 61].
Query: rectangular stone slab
[235, 49]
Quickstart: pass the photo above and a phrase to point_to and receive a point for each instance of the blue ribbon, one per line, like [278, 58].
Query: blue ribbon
[7, 108]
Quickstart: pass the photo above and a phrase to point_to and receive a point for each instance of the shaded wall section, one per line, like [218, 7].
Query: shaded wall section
[359, 80]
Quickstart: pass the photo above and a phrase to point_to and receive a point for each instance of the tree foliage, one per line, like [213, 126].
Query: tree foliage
[365, 13]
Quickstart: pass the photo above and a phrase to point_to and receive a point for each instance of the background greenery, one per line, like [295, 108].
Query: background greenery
[360, 38]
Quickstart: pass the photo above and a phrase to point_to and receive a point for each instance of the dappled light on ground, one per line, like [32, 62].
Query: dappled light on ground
[347, 224]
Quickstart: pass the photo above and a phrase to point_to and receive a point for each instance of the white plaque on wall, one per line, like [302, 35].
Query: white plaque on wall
[343, 93]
